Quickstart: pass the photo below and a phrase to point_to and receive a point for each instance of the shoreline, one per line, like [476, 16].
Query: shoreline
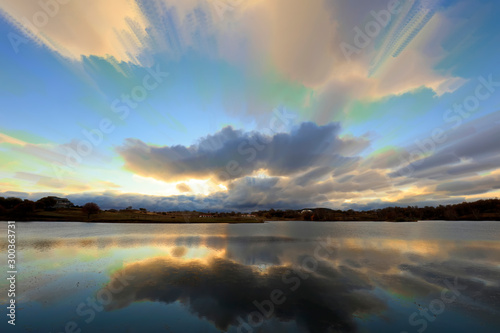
[235, 222]
[146, 222]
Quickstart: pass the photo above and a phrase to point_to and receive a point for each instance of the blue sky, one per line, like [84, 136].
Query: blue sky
[299, 103]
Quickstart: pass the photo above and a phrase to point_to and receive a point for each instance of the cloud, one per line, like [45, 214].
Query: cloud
[466, 151]
[476, 185]
[231, 154]
[286, 30]
[75, 29]
[182, 187]
[356, 77]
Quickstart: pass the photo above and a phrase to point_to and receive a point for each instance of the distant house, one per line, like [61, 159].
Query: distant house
[306, 211]
[206, 215]
[62, 202]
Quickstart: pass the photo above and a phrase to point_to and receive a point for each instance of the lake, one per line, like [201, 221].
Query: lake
[439, 276]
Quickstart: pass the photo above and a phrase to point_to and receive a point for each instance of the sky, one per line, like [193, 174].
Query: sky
[220, 105]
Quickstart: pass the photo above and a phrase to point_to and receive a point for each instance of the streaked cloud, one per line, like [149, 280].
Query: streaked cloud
[103, 28]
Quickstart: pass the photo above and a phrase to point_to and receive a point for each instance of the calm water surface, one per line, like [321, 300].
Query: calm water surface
[273, 277]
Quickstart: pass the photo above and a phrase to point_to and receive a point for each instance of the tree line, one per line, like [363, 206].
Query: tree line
[19, 209]
[487, 209]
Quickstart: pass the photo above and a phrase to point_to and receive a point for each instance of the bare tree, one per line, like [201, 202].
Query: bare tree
[90, 208]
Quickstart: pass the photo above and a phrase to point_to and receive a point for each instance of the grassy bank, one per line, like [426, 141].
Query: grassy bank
[132, 216]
